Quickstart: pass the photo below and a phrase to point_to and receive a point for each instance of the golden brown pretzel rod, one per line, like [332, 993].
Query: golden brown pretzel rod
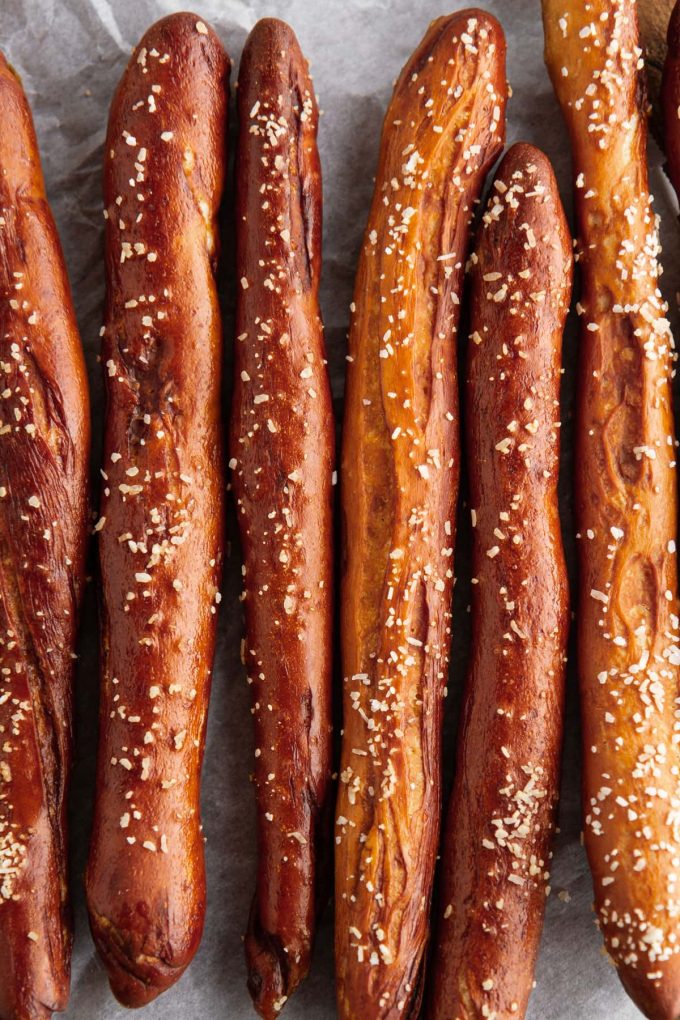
[282, 449]
[625, 504]
[443, 129]
[160, 531]
[44, 444]
[496, 845]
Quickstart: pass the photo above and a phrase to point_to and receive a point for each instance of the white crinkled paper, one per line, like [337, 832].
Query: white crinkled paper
[70, 56]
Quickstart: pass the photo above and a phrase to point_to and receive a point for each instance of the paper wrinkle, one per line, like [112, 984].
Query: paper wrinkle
[70, 55]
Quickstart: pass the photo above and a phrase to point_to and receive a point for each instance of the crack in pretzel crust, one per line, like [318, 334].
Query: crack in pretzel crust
[161, 527]
[45, 437]
[626, 505]
[443, 129]
[496, 847]
[282, 453]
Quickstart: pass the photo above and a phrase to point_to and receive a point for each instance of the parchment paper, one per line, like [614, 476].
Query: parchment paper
[70, 55]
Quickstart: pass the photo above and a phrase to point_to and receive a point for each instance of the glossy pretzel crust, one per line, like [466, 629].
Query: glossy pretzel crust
[496, 846]
[400, 465]
[160, 530]
[626, 505]
[282, 454]
[45, 440]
